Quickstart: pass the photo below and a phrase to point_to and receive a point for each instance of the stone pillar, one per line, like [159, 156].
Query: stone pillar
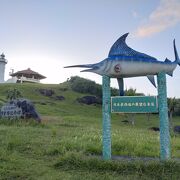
[163, 115]
[106, 110]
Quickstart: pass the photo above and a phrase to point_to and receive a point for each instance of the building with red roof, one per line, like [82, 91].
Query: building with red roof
[27, 75]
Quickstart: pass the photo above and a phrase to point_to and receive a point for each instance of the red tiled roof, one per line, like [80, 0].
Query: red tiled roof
[28, 72]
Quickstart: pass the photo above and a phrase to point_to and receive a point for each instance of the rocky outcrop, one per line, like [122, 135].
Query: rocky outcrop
[46, 92]
[23, 108]
[177, 129]
[89, 100]
[154, 128]
[59, 98]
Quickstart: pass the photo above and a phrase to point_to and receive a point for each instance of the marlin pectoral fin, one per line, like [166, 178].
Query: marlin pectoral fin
[170, 73]
[151, 79]
[121, 86]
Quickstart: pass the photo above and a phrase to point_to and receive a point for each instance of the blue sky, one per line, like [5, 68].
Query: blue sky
[47, 35]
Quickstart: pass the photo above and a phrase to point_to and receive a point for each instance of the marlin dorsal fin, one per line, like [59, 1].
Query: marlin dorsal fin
[121, 48]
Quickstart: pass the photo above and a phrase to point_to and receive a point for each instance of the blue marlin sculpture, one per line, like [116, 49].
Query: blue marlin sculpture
[124, 62]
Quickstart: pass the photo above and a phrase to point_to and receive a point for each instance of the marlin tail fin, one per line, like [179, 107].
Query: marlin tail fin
[177, 60]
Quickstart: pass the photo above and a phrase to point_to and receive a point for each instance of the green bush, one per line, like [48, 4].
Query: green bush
[86, 86]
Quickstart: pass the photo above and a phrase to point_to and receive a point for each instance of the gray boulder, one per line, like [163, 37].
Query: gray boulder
[23, 108]
[59, 98]
[177, 129]
[46, 92]
[154, 128]
[89, 100]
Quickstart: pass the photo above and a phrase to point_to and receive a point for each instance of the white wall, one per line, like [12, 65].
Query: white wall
[2, 69]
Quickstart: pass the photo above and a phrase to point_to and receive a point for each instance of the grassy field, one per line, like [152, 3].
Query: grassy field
[68, 142]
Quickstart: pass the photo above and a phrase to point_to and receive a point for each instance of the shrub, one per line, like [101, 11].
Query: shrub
[86, 86]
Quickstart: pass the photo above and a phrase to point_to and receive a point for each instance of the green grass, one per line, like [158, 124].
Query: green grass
[68, 142]
[150, 169]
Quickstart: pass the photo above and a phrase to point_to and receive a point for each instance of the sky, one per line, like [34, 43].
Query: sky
[46, 35]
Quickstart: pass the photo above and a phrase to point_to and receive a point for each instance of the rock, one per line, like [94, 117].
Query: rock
[43, 103]
[89, 100]
[28, 109]
[154, 128]
[60, 98]
[63, 89]
[10, 111]
[46, 92]
[177, 129]
[20, 108]
[125, 121]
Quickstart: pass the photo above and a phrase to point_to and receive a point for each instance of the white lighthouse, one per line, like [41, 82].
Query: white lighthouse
[3, 62]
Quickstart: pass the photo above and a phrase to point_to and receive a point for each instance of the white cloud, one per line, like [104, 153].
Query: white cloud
[165, 16]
